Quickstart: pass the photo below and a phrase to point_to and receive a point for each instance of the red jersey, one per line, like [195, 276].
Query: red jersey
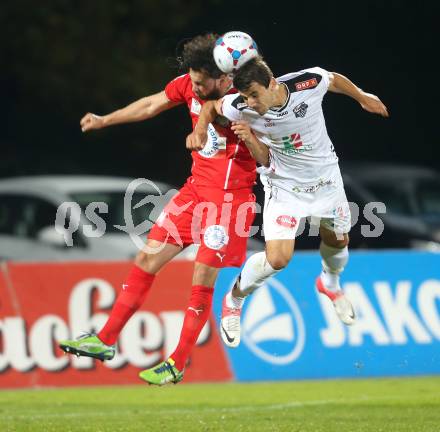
[225, 161]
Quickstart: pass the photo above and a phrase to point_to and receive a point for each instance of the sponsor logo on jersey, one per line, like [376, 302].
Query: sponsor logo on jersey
[293, 144]
[313, 188]
[281, 114]
[286, 221]
[214, 145]
[300, 110]
[196, 106]
[239, 103]
[304, 85]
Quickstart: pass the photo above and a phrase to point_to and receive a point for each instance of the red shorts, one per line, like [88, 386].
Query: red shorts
[218, 220]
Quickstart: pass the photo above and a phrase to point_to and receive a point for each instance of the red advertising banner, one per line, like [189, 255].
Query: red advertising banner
[43, 303]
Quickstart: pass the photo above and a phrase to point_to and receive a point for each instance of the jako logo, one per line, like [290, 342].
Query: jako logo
[273, 327]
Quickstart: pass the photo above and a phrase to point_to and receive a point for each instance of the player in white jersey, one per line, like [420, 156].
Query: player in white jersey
[282, 123]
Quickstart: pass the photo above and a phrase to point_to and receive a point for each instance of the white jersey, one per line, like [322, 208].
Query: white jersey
[302, 156]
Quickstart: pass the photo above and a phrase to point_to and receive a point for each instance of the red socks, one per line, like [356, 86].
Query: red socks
[196, 315]
[133, 294]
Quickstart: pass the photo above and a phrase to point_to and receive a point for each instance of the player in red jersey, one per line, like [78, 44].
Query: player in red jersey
[215, 208]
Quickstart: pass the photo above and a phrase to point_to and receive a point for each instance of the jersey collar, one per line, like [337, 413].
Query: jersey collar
[280, 109]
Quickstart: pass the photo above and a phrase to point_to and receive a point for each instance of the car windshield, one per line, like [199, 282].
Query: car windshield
[396, 198]
[420, 197]
[115, 201]
[428, 198]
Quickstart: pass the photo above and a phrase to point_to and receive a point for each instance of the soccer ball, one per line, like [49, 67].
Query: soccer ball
[233, 50]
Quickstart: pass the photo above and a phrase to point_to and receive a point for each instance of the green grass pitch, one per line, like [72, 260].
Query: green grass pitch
[379, 405]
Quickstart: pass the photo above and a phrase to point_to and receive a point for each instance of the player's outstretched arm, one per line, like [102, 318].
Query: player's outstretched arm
[139, 110]
[197, 139]
[258, 150]
[369, 102]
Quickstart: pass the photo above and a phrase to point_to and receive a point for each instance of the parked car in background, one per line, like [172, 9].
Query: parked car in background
[411, 196]
[29, 205]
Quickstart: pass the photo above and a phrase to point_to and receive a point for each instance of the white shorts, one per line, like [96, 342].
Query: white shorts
[283, 210]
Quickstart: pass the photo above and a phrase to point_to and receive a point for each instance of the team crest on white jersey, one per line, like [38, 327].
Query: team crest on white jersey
[300, 110]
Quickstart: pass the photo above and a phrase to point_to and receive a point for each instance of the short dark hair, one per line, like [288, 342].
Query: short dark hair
[198, 55]
[254, 70]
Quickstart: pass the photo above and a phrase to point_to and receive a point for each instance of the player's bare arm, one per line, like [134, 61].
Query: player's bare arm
[197, 139]
[258, 150]
[142, 109]
[369, 102]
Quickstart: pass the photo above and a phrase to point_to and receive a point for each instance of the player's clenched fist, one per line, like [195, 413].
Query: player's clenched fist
[242, 130]
[196, 140]
[91, 121]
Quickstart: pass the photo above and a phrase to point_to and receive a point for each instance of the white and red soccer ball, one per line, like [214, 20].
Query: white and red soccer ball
[233, 50]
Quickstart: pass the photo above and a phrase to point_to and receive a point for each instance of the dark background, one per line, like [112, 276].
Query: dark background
[60, 59]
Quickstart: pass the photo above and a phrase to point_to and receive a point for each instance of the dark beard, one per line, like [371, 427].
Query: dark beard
[214, 95]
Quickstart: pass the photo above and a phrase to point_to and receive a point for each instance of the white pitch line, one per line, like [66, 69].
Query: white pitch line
[179, 411]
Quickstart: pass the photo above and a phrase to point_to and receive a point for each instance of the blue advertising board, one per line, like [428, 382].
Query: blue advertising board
[290, 331]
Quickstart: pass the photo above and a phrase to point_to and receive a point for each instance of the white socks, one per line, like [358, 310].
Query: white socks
[234, 302]
[333, 262]
[255, 272]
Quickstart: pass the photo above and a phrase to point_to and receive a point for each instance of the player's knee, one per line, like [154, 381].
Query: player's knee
[278, 261]
[143, 261]
[339, 242]
[344, 242]
[335, 239]
[150, 263]
[204, 275]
